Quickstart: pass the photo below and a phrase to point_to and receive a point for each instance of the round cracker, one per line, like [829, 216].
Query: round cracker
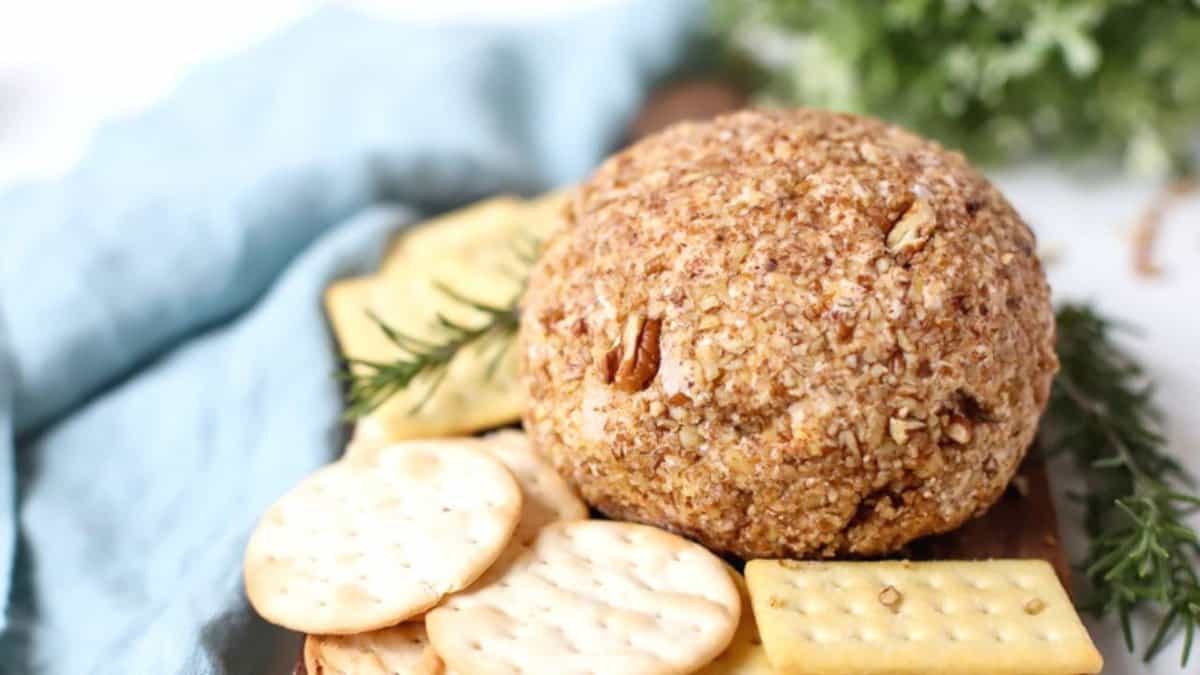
[591, 597]
[548, 498]
[372, 540]
[399, 650]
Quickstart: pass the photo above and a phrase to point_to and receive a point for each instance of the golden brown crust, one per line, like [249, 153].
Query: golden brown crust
[855, 337]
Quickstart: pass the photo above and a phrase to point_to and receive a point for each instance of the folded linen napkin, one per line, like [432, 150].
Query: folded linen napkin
[164, 363]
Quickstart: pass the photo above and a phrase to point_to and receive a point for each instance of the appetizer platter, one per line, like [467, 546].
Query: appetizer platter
[758, 396]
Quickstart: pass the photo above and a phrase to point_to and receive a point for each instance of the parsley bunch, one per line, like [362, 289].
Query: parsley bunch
[996, 78]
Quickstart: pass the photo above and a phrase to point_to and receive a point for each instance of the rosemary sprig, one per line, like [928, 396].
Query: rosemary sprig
[370, 383]
[1142, 552]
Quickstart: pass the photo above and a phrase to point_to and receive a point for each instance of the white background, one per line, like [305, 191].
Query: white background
[67, 66]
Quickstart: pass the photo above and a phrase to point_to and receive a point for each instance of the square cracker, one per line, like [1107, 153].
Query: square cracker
[745, 654]
[474, 252]
[465, 402]
[996, 617]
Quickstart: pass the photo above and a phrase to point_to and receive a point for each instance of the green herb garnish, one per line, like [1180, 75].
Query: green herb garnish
[999, 79]
[1142, 552]
[373, 382]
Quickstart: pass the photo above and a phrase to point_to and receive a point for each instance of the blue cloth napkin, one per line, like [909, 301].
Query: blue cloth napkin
[164, 362]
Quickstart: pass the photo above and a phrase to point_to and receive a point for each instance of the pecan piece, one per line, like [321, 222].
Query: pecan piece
[638, 355]
[910, 233]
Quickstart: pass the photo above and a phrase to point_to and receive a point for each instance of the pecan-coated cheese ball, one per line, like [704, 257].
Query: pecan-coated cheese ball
[788, 333]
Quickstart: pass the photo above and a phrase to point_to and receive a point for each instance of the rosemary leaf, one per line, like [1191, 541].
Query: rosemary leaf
[371, 383]
[1142, 552]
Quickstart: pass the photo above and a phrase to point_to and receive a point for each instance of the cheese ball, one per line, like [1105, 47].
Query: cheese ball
[788, 334]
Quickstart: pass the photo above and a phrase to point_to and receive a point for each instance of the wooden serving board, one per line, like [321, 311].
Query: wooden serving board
[1022, 524]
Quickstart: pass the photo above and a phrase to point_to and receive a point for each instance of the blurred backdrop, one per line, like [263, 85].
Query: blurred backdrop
[68, 69]
[67, 66]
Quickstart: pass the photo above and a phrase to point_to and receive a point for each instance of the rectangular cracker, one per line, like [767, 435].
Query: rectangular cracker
[997, 617]
[477, 236]
[466, 401]
[472, 252]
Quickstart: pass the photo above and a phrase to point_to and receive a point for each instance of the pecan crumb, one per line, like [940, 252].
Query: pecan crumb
[898, 429]
[959, 430]
[911, 232]
[678, 399]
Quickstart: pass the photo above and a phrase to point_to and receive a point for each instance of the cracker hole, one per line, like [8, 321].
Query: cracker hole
[1050, 636]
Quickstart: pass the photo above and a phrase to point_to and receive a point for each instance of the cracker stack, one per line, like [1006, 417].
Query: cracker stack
[476, 252]
[473, 556]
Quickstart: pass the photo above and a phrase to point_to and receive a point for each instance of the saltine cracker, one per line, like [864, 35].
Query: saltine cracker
[372, 540]
[996, 617]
